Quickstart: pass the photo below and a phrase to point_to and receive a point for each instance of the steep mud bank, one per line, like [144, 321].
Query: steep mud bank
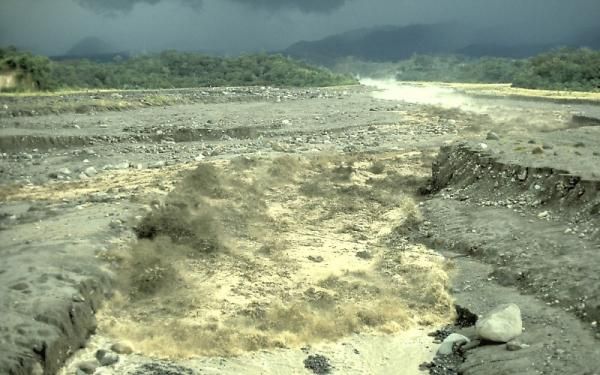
[530, 213]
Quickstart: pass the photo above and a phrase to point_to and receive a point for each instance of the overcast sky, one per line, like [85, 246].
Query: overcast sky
[54, 26]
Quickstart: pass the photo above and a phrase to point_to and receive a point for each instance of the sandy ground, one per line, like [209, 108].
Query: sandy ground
[269, 229]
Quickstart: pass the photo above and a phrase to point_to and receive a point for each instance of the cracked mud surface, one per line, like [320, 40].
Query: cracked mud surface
[275, 226]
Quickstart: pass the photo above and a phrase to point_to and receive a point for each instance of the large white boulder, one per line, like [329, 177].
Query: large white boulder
[501, 324]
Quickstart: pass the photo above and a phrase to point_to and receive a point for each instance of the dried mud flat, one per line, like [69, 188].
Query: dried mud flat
[295, 231]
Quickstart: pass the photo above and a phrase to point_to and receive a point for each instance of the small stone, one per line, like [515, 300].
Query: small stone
[199, 157]
[538, 150]
[121, 348]
[90, 171]
[491, 136]
[317, 259]
[88, 367]
[522, 175]
[100, 353]
[123, 165]
[547, 146]
[483, 146]
[513, 346]
[276, 146]
[543, 215]
[115, 224]
[501, 324]
[579, 144]
[64, 171]
[447, 346]
[106, 358]
[158, 164]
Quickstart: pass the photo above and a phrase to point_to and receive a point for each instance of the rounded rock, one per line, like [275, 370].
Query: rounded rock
[88, 367]
[447, 346]
[121, 348]
[502, 324]
[491, 136]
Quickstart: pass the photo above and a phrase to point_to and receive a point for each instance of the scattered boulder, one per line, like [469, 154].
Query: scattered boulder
[537, 150]
[158, 164]
[276, 146]
[501, 324]
[449, 342]
[121, 348]
[123, 165]
[106, 358]
[90, 171]
[543, 215]
[64, 171]
[88, 367]
[491, 136]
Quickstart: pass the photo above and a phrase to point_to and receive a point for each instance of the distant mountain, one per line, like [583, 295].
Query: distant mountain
[90, 46]
[382, 43]
[392, 43]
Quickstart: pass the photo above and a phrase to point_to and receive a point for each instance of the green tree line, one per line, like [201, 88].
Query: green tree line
[562, 69]
[168, 69]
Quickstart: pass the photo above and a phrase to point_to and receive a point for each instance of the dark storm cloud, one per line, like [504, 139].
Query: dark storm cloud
[302, 5]
[234, 26]
[111, 7]
[116, 6]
